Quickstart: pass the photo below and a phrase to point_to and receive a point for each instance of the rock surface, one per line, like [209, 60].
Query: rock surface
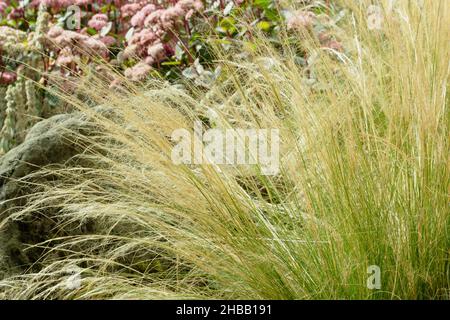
[46, 143]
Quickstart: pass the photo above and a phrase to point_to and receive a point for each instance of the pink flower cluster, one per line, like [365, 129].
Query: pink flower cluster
[300, 19]
[151, 20]
[3, 6]
[130, 9]
[146, 31]
[151, 23]
[71, 44]
[305, 20]
[138, 72]
[57, 4]
[327, 41]
[16, 13]
[98, 21]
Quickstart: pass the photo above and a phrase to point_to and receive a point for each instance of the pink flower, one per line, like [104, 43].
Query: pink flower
[190, 4]
[153, 18]
[327, 41]
[7, 77]
[170, 50]
[65, 57]
[94, 45]
[171, 14]
[138, 72]
[324, 37]
[100, 16]
[64, 3]
[130, 9]
[47, 3]
[139, 18]
[144, 37]
[53, 3]
[65, 37]
[98, 21]
[55, 31]
[96, 24]
[3, 7]
[82, 2]
[129, 51]
[157, 52]
[189, 14]
[149, 60]
[334, 45]
[16, 13]
[116, 84]
[300, 19]
[108, 40]
[148, 9]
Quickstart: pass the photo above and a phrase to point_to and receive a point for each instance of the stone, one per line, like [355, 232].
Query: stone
[46, 143]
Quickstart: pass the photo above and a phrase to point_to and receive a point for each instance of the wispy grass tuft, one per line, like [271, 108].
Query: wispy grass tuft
[364, 177]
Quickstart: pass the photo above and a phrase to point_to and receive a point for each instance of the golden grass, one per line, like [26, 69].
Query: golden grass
[363, 181]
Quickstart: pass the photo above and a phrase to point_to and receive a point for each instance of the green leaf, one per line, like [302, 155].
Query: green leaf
[272, 14]
[91, 31]
[171, 63]
[264, 25]
[263, 4]
[227, 24]
[105, 9]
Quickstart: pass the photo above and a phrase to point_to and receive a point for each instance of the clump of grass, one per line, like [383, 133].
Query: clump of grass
[363, 177]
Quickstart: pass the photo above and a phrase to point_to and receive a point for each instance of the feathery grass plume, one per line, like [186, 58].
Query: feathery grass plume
[363, 176]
